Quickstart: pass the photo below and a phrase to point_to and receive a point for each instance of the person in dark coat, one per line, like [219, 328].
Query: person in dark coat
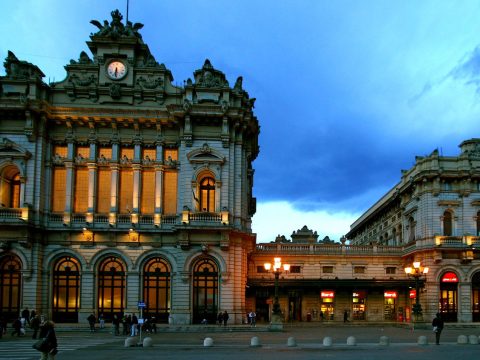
[91, 321]
[35, 324]
[51, 341]
[437, 324]
[116, 324]
[26, 315]
[225, 318]
[220, 318]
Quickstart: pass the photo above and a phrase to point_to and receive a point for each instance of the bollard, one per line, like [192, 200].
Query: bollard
[384, 341]
[130, 341]
[462, 340]
[473, 340]
[327, 341]
[351, 341]
[255, 342]
[208, 342]
[147, 342]
[291, 342]
[422, 340]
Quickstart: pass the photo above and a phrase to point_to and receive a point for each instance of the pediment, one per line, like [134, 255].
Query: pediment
[9, 148]
[205, 154]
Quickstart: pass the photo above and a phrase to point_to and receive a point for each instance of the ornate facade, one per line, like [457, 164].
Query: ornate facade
[431, 216]
[117, 187]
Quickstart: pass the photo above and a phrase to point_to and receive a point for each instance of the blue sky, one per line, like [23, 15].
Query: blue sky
[348, 92]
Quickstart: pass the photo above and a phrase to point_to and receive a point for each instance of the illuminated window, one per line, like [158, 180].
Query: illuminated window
[149, 154]
[126, 191]
[126, 153]
[66, 290]
[59, 181]
[80, 204]
[156, 288]
[205, 291]
[170, 192]
[111, 287]
[60, 150]
[148, 192]
[10, 187]
[327, 269]
[105, 152]
[170, 153]
[207, 194]
[103, 190]
[10, 284]
[83, 152]
[359, 269]
[447, 223]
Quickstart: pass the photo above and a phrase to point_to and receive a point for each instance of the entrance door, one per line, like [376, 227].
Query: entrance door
[448, 302]
[66, 290]
[294, 306]
[476, 297]
[111, 288]
[205, 291]
[10, 285]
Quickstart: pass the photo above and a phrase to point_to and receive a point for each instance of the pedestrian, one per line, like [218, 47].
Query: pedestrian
[50, 340]
[253, 318]
[437, 325]
[101, 319]
[17, 327]
[225, 318]
[91, 321]
[26, 315]
[116, 324]
[33, 313]
[3, 326]
[220, 318]
[134, 328]
[35, 324]
[345, 316]
[153, 323]
[321, 315]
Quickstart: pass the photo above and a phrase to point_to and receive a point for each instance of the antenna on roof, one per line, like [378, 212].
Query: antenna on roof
[126, 21]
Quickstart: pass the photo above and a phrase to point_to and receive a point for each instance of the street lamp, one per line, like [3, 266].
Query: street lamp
[417, 271]
[277, 270]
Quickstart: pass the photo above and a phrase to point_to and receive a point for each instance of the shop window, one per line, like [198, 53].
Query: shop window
[327, 269]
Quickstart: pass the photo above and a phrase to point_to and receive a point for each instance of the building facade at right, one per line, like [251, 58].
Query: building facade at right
[433, 214]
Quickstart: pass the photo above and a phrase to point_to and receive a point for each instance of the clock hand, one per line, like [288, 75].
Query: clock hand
[116, 71]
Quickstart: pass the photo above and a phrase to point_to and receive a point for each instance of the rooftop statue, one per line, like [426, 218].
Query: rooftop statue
[115, 29]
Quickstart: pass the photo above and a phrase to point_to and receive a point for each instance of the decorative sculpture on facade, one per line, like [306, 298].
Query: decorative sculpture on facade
[18, 69]
[115, 28]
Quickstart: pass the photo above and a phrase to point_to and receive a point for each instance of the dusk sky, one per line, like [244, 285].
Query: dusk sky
[348, 92]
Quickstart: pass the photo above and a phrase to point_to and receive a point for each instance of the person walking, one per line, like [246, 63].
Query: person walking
[50, 339]
[345, 316]
[437, 324]
[253, 318]
[101, 319]
[17, 327]
[26, 315]
[91, 321]
[116, 324]
[134, 328]
[35, 324]
[220, 318]
[225, 318]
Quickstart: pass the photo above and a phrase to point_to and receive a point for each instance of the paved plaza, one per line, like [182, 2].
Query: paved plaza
[234, 343]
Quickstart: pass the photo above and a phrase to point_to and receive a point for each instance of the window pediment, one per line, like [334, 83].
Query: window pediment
[8, 148]
[205, 154]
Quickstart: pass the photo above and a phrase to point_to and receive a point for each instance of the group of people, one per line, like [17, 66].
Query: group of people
[131, 324]
[222, 318]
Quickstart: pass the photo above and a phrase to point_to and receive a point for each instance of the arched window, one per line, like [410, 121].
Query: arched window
[66, 290]
[10, 285]
[111, 287]
[207, 194]
[156, 288]
[447, 223]
[10, 187]
[448, 302]
[205, 290]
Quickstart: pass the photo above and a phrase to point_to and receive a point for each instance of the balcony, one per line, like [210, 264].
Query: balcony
[15, 216]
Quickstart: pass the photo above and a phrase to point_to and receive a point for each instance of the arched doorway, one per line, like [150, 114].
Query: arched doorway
[476, 297]
[205, 291]
[448, 302]
[66, 290]
[111, 287]
[10, 286]
[156, 288]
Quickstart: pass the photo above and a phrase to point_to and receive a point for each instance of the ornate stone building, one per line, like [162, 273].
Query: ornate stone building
[118, 187]
[431, 216]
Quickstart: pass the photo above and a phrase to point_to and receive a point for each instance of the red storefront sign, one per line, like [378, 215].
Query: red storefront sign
[450, 277]
[327, 294]
[390, 294]
[413, 294]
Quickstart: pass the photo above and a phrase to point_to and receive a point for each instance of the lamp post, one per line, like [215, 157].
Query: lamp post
[277, 269]
[417, 271]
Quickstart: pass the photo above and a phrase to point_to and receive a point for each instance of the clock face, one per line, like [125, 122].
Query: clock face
[116, 70]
